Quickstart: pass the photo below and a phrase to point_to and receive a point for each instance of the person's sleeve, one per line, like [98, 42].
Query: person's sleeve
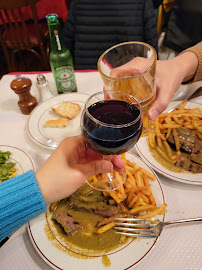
[197, 49]
[68, 29]
[150, 25]
[20, 201]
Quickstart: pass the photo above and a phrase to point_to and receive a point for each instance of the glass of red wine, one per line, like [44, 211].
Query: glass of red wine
[111, 124]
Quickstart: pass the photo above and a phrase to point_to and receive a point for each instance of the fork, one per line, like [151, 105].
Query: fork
[134, 227]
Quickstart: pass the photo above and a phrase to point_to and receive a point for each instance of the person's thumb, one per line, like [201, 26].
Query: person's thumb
[95, 167]
[160, 104]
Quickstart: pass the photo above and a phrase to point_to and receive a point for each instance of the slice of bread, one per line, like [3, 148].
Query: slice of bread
[59, 123]
[67, 109]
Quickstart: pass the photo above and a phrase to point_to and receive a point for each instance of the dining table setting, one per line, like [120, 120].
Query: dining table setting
[177, 247]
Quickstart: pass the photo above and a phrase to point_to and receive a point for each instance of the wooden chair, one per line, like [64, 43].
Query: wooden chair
[23, 41]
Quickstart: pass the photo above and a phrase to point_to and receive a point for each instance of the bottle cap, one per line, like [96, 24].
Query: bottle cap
[52, 18]
[41, 79]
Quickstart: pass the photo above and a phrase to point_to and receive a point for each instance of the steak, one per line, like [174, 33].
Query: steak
[186, 163]
[93, 202]
[188, 139]
[66, 221]
[197, 157]
[191, 150]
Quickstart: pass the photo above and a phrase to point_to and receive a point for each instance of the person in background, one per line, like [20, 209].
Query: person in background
[183, 27]
[170, 74]
[92, 27]
[27, 196]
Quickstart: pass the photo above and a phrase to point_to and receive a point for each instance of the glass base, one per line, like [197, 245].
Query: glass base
[107, 181]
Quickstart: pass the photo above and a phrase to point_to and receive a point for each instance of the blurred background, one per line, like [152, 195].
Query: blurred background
[90, 27]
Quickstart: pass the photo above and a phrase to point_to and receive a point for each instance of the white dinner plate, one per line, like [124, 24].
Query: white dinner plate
[143, 150]
[47, 136]
[125, 257]
[23, 161]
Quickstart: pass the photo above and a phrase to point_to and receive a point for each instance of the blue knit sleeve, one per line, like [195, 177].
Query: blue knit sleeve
[20, 201]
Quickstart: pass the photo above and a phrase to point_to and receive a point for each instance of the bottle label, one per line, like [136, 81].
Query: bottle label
[57, 40]
[65, 79]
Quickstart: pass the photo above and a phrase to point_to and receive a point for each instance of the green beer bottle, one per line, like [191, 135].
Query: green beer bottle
[60, 58]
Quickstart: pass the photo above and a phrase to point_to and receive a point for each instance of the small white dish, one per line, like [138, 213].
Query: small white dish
[125, 257]
[47, 136]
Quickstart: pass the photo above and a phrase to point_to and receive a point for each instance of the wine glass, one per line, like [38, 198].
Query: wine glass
[111, 124]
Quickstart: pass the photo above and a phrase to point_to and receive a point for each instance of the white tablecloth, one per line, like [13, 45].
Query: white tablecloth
[178, 248]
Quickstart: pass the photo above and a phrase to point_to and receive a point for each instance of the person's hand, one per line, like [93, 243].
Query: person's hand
[69, 166]
[169, 76]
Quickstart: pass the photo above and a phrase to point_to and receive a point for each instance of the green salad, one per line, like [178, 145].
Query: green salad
[7, 169]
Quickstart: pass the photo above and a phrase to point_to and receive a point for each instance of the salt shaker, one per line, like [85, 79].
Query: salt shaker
[21, 86]
[42, 85]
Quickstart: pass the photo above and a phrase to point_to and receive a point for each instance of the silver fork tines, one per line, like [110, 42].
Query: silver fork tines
[134, 227]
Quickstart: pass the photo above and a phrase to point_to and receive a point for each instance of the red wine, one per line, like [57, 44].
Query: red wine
[106, 135]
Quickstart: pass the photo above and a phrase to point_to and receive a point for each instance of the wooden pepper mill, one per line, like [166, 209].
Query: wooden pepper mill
[21, 86]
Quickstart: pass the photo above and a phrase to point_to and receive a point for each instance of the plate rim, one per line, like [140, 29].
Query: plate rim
[37, 107]
[54, 266]
[17, 148]
[166, 172]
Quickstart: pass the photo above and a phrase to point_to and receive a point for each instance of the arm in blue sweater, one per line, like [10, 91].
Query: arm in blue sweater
[20, 201]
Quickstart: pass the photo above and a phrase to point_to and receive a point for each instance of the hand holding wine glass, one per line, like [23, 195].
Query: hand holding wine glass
[111, 124]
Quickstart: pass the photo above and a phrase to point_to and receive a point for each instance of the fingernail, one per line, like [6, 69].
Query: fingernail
[153, 114]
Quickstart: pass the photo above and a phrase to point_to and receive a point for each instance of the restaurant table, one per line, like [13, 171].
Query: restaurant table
[178, 247]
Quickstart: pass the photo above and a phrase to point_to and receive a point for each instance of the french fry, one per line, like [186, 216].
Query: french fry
[181, 107]
[152, 199]
[105, 228]
[131, 178]
[123, 207]
[142, 208]
[87, 190]
[171, 126]
[168, 149]
[199, 135]
[176, 139]
[112, 201]
[139, 179]
[168, 133]
[151, 139]
[154, 212]
[114, 195]
[177, 120]
[164, 155]
[159, 141]
[145, 198]
[134, 200]
[150, 175]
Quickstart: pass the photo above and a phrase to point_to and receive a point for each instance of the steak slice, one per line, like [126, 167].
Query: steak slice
[93, 202]
[188, 139]
[197, 157]
[104, 213]
[66, 221]
[185, 163]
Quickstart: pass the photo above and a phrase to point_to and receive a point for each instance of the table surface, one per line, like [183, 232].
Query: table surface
[178, 247]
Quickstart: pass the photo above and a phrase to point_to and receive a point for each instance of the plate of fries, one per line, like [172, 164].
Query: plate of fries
[141, 195]
[187, 116]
